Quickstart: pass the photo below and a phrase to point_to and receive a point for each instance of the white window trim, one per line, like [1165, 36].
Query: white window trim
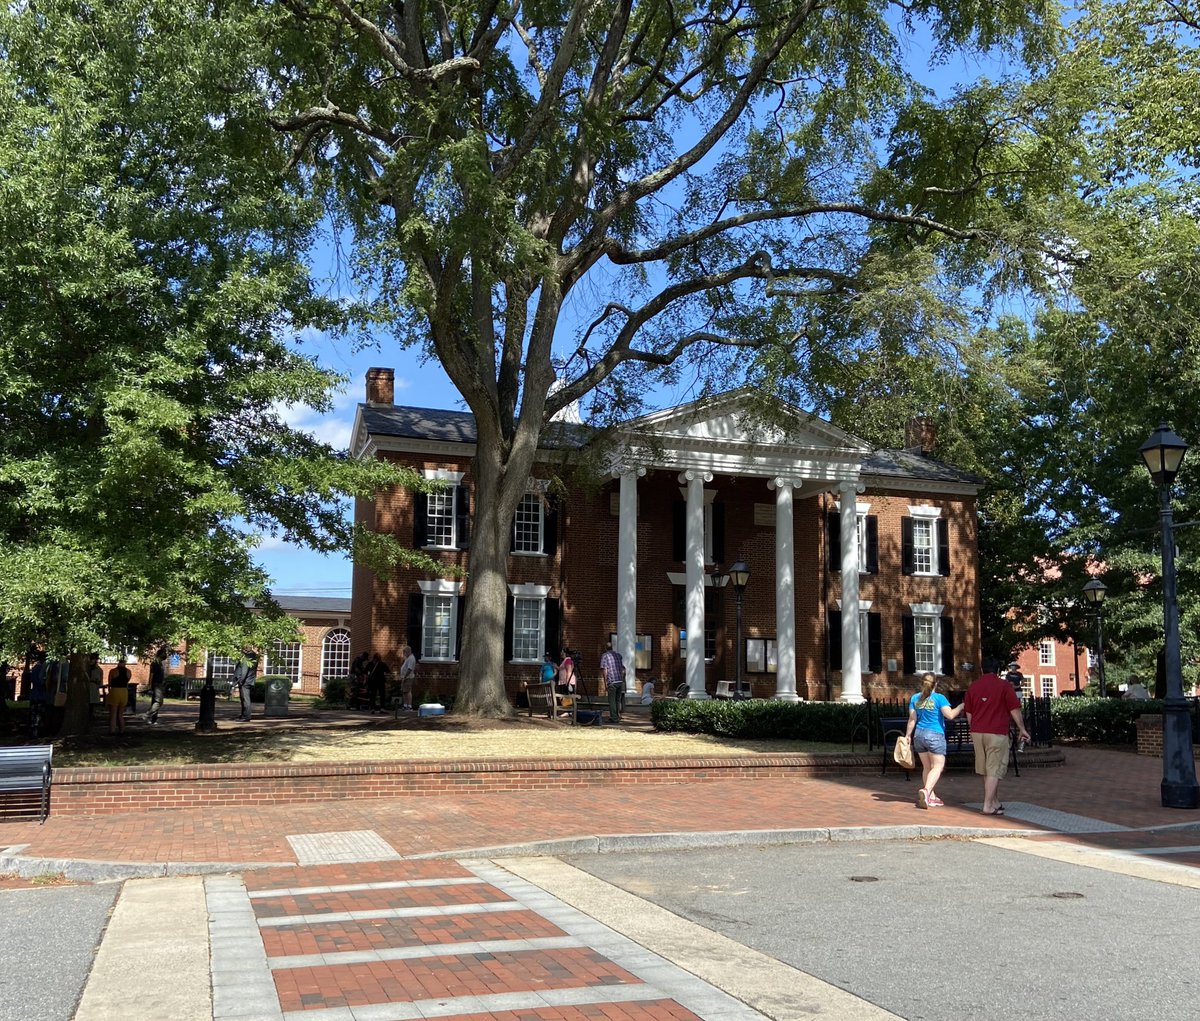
[444, 475]
[452, 479]
[327, 647]
[933, 610]
[1053, 656]
[930, 514]
[861, 510]
[537, 487]
[1042, 685]
[442, 587]
[538, 592]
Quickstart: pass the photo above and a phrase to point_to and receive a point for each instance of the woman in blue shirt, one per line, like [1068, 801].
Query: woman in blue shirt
[928, 711]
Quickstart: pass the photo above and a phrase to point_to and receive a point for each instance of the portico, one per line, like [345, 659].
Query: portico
[714, 439]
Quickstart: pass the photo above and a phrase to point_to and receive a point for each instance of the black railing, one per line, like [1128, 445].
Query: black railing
[1036, 711]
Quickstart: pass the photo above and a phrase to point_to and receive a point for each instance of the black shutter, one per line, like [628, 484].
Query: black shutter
[910, 645]
[874, 643]
[458, 626]
[872, 531]
[508, 631]
[420, 520]
[833, 536]
[550, 527]
[906, 549]
[678, 606]
[834, 618]
[462, 517]
[416, 617]
[947, 646]
[718, 536]
[943, 534]
[679, 531]
[553, 642]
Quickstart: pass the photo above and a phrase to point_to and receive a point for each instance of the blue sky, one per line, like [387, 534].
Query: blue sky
[296, 571]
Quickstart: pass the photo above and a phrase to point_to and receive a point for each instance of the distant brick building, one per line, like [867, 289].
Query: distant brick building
[823, 522]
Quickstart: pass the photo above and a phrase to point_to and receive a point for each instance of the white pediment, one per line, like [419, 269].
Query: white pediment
[728, 420]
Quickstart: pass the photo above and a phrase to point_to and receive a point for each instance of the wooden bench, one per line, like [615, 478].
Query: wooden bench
[192, 686]
[26, 771]
[544, 698]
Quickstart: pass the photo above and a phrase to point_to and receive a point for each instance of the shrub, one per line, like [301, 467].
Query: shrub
[1099, 720]
[335, 690]
[758, 718]
[173, 686]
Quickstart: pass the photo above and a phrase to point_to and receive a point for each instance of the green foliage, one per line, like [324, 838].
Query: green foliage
[335, 690]
[173, 685]
[757, 718]
[1099, 720]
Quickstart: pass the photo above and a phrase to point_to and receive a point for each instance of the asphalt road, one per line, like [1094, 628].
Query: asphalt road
[941, 931]
[50, 937]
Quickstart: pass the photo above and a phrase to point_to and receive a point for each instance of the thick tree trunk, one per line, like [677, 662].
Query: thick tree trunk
[499, 483]
[77, 712]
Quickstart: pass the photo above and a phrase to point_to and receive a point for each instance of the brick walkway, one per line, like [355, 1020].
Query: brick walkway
[1116, 788]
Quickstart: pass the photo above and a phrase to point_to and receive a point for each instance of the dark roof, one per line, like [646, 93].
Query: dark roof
[307, 605]
[908, 464]
[455, 426]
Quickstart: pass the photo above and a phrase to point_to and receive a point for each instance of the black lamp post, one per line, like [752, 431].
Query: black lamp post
[1094, 592]
[739, 575]
[1163, 453]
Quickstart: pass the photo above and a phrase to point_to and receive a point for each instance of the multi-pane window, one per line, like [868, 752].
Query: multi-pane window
[528, 621]
[1048, 686]
[924, 546]
[439, 527]
[864, 566]
[335, 654]
[925, 643]
[284, 661]
[711, 616]
[220, 668]
[528, 524]
[437, 627]
[1046, 652]
[1093, 660]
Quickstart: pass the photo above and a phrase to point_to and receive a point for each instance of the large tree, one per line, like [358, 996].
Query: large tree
[152, 274]
[575, 199]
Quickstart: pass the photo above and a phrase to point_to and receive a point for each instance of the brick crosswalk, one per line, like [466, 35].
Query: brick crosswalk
[391, 940]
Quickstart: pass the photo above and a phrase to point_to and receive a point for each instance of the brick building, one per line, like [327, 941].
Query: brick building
[639, 556]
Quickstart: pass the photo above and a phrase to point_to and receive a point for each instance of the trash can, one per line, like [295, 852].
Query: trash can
[276, 698]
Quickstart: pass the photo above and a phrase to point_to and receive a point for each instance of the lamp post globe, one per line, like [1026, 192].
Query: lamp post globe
[1163, 455]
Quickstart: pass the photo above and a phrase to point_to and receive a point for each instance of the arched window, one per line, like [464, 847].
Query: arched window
[335, 654]
[284, 661]
[220, 668]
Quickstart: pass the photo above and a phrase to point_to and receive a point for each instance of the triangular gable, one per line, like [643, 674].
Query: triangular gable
[728, 419]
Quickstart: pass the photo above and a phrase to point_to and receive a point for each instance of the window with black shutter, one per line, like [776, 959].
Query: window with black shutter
[943, 541]
[906, 548]
[947, 647]
[833, 638]
[874, 643]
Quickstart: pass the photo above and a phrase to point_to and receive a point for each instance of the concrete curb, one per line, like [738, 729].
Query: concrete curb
[118, 871]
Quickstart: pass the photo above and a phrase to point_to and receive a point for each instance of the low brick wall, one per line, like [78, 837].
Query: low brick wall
[105, 791]
[1149, 736]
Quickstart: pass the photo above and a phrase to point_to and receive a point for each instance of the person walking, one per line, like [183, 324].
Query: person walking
[992, 706]
[612, 667]
[119, 679]
[408, 675]
[243, 679]
[158, 685]
[377, 675]
[928, 711]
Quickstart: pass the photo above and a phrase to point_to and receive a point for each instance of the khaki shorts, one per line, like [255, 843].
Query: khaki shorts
[991, 755]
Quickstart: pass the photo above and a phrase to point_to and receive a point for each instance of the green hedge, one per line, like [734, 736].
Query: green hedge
[1099, 720]
[335, 691]
[758, 718]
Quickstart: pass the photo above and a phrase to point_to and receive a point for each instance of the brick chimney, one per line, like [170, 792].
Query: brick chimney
[920, 435]
[381, 386]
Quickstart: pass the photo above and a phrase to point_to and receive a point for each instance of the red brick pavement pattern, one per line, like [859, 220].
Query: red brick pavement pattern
[644, 1010]
[385, 933]
[1118, 787]
[294, 876]
[394, 897]
[437, 978]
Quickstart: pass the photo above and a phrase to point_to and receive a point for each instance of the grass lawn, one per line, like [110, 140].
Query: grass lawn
[316, 740]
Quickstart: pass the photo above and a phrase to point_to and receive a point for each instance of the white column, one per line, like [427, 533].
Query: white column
[785, 594]
[695, 480]
[851, 647]
[627, 572]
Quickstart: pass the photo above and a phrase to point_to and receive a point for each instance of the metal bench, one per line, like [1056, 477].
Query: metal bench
[958, 739]
[25, 772]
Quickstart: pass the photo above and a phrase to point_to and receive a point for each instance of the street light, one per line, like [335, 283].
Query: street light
[739, 575]
[1094, 592]
[1163, 453]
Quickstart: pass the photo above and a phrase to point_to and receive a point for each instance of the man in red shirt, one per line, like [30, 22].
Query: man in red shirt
[991, 704]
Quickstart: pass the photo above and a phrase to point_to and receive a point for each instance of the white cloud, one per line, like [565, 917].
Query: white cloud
[332, 428]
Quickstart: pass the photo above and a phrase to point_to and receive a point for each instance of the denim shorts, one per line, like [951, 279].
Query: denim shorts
[927, 740]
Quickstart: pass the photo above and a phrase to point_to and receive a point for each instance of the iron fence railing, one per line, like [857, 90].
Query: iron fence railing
[1038, 720]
